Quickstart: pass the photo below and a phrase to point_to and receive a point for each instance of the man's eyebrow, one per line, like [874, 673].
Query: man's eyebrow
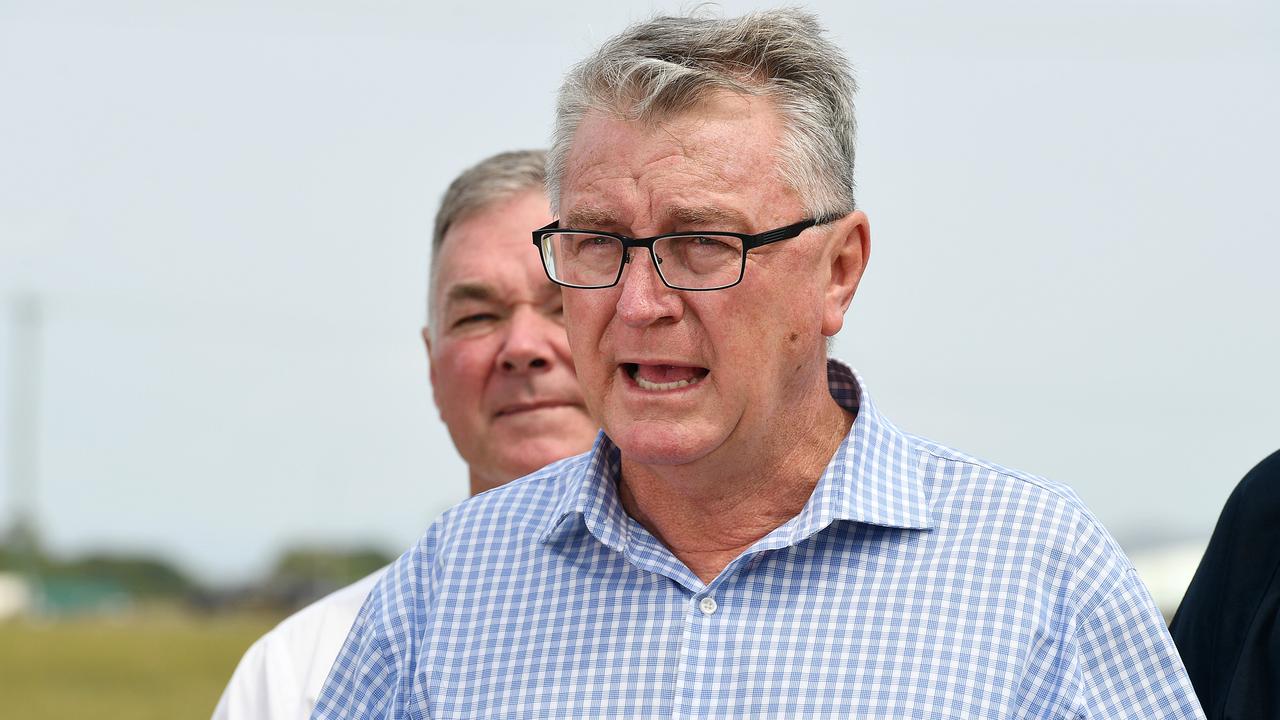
[590, 217]
[470, 291]
[707, 216]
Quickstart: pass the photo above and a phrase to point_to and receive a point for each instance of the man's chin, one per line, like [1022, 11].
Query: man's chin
[665, 443]
[530, 454]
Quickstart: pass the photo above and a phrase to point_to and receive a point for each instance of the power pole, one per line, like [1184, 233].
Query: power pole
[24, 434]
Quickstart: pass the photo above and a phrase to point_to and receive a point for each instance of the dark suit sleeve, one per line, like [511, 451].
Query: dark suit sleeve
[1227, 628]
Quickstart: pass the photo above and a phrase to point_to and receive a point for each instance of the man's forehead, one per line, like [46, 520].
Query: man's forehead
[701, 215]
[496, 290]
[607, 144]
[697, 168]
[470, 290]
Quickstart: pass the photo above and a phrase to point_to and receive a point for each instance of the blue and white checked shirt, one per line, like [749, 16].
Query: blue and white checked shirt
[916, 583]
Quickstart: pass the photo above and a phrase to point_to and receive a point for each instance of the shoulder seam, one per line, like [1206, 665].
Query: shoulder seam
[949, 455]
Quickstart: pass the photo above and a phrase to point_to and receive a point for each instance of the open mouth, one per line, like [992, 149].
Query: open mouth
[656, 378]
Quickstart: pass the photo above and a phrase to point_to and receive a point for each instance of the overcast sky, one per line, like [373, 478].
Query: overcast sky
[225, 209]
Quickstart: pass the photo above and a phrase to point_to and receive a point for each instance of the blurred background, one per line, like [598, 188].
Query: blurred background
[214, 231]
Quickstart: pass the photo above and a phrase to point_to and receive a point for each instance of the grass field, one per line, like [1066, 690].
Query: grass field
[167, 668]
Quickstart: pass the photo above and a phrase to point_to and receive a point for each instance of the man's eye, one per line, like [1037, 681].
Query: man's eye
[474, 319]
[711, 243]
[593, 244]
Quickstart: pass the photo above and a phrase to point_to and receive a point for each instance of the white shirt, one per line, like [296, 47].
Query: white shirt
[281, 674]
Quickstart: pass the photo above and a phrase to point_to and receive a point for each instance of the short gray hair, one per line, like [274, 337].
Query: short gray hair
[489, 181]
[485, 183]
[668, 65]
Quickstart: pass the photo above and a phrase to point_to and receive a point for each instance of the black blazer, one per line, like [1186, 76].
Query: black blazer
[1228, 626]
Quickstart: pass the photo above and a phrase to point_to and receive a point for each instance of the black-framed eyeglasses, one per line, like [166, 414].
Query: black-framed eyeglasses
[685, 261]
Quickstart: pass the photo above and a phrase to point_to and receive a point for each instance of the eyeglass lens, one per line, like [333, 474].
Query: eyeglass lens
[684, 261]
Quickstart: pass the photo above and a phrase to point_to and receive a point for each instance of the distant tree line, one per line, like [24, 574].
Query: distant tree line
[300, 575]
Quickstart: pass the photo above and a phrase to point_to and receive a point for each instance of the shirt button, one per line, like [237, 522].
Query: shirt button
[707, 605]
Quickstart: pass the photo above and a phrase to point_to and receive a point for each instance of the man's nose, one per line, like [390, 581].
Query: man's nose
[528, 346]
[645, 299]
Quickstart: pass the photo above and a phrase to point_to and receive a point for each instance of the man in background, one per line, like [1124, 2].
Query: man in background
[502, 378]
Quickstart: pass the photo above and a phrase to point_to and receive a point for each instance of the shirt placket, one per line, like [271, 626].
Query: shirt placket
[702, 687]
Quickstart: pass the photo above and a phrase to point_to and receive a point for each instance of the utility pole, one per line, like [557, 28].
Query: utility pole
[24, 434]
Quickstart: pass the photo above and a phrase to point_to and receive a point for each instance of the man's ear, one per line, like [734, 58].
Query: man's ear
[851, 248]
[426, 341]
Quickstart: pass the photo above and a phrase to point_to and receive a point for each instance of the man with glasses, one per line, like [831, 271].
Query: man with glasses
[502, 379]
[749, 536]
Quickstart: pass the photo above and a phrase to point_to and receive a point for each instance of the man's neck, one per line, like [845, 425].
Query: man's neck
[709, 512]
[480, 483]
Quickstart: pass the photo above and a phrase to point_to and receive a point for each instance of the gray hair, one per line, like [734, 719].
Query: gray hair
[485, 183]
[489, 181]
[668, 65]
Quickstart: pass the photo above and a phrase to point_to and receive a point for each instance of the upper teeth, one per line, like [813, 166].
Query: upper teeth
[647, 385]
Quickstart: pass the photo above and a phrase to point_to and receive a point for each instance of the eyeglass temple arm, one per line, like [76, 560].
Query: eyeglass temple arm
[786, 233]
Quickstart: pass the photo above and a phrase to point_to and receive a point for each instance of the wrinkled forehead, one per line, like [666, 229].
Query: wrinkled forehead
[705, 164]
[698, 128]
[492, 248]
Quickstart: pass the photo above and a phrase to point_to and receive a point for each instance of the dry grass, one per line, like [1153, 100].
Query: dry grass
[164, 667]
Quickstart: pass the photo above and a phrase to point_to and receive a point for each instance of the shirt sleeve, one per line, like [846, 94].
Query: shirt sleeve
[264, 685]
[372, 674]
[1126, 662]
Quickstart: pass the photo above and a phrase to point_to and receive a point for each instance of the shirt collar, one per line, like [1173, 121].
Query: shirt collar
[873, 478]
[591, 499]
[874, 475]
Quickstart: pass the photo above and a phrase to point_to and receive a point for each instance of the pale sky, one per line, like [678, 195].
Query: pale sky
[226, 210]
